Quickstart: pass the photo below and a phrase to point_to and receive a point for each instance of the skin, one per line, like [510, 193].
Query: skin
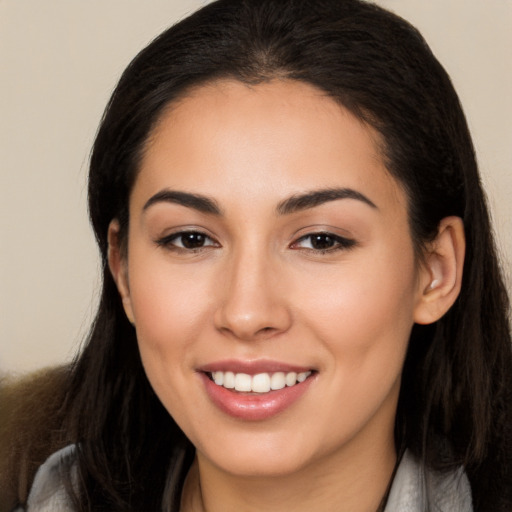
[258, 289]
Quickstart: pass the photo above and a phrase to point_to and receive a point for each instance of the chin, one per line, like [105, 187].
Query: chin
[255, 465]
[259, 455]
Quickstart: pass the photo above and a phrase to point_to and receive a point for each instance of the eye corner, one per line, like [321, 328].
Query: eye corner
[323, 242]
[187, 241]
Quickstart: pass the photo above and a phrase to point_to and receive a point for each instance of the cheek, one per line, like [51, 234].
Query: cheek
[169, 309]
[364, 309]
[363, 321]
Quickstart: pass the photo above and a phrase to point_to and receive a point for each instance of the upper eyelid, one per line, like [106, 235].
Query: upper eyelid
[162, 240]
[324, 233]
[184, 230]
[343, 242]
[322, 230]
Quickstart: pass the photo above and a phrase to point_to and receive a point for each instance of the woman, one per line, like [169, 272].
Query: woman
[302, 306]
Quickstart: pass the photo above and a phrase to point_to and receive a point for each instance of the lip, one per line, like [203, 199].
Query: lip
[250, 406]
[252, 367]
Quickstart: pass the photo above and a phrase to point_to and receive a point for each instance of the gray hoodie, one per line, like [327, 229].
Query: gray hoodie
[414, 489]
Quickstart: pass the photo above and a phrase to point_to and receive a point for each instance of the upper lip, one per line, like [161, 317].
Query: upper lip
[252, 367]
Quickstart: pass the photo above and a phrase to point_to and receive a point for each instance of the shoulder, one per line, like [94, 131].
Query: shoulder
[416, 488]
[31, 428]
[48, 492]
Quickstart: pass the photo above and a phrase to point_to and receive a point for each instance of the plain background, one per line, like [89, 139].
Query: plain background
[59, 61]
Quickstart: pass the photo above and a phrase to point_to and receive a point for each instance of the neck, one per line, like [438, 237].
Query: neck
[354, 480]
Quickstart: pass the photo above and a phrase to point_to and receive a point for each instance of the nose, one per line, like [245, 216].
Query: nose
[252, 303]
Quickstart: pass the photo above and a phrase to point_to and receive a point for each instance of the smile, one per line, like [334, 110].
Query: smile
[259, 383]
[255, 391]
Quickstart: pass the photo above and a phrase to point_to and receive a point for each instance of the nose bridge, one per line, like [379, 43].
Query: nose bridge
[252, 305]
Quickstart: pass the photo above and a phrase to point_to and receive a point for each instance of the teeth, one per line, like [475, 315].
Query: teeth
[229, 380]
[291, 378]
[243, 382]
[218, 378]
[301, 377]
[260, 383]
[277, 381]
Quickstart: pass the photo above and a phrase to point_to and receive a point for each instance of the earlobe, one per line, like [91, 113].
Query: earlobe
[441, 274]
[117, 265]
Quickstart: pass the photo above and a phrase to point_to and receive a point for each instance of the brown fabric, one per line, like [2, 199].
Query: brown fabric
[31, 429]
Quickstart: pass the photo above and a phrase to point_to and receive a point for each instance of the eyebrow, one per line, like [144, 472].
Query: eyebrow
[317, 197]
[196, 201]
[293, 204]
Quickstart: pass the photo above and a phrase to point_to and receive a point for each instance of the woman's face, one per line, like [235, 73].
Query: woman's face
[269, 248]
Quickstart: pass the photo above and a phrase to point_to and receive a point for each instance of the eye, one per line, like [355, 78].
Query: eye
[187, 240]
[323, 242]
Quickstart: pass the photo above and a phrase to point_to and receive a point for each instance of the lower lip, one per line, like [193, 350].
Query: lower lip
[254, 407]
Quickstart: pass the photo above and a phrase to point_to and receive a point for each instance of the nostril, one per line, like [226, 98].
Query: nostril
[265, 331]
[248, 319]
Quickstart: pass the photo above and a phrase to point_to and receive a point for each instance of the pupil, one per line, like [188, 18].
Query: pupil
[192, 240]
[322, 241]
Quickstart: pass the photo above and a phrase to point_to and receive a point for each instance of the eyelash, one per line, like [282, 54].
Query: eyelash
[339, 243]
[168, 242]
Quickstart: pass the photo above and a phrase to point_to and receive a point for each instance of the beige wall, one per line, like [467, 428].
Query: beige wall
[60, 59]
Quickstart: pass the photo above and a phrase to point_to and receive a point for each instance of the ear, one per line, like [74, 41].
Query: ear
[118, 268]
[441, 273]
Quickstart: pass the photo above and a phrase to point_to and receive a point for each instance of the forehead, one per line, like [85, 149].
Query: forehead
[274, 139]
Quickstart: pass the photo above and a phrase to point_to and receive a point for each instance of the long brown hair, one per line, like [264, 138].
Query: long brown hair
[455, 403]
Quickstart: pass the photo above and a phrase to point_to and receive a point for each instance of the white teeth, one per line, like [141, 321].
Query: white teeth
[229, 380]
[277, 381]
[243, 382]
[291, 378]
[301, 377]
[259, 383]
